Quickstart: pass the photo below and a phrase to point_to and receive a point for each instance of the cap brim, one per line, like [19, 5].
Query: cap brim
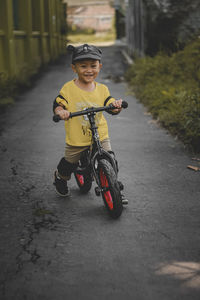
[87, 56]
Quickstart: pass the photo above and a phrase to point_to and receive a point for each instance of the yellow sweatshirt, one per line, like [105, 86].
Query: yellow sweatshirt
[78, 128]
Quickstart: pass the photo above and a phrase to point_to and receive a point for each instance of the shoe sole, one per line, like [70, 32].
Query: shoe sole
[66, 195]
[124, 202]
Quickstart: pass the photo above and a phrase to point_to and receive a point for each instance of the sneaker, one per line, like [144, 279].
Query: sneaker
[124, 200]
[61, 185]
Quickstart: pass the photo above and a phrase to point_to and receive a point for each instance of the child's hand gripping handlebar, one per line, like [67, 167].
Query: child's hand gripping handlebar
[56, 118]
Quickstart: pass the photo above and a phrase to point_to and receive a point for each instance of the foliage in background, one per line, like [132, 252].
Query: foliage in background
[7, 90]
[170, 24]
[169, 86]
[10, 87]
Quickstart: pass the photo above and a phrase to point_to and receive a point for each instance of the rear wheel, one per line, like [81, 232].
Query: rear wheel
[111, 191]
[84, 181]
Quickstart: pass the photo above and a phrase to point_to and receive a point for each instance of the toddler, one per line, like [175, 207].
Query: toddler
[75, 95]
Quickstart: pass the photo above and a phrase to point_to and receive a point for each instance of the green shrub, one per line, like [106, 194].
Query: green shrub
[11, 86]
[169, 86]
[7, 90]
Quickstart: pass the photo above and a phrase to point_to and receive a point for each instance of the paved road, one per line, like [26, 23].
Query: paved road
[58, 249]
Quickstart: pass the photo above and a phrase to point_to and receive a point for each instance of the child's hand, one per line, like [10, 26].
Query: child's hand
[64, 114]
[118, 105]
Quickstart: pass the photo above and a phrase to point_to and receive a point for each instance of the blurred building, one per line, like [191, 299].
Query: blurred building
[120, 18]
[32, 33]
[135, 26]
[90, 14]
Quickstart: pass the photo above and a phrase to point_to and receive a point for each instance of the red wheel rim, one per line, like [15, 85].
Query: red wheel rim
[80, 179]
[107, 194]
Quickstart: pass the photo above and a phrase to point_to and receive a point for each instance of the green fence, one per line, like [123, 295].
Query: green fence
[32, 33]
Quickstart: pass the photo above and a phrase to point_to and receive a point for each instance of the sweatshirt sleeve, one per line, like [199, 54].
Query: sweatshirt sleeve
[108, 99]
[61, 99]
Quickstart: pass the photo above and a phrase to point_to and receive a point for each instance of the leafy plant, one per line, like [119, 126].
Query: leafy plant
[169, 86]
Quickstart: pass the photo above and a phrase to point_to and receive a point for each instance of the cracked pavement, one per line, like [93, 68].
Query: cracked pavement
[55, 249]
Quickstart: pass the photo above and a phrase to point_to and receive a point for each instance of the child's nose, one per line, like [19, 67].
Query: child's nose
[89, 69]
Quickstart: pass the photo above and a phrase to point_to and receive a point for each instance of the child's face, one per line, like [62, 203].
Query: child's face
[87, 70]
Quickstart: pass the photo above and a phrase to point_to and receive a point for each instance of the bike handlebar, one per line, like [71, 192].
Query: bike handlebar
[87, 111]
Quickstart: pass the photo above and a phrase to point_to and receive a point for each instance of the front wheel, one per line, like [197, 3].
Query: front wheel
[110, 188]
[84, 181]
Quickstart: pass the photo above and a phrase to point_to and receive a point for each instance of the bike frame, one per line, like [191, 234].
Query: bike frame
[96, 152]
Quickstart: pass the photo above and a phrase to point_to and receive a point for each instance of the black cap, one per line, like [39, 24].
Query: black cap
[84, 52]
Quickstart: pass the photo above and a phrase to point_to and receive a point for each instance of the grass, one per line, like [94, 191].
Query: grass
[7, 91]
[169, 86]
[90, 36]
[10, 87]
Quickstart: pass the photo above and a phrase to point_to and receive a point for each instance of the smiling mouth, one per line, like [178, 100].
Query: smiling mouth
[88, 76]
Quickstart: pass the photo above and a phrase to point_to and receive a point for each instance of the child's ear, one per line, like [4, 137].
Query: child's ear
[73, 68]
[100, 66]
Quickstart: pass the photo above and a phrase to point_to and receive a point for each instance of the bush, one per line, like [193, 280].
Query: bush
[10, 87]
[169, 86]
[7, 90]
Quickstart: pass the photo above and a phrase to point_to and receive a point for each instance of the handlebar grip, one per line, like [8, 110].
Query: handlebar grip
[56, 118]
[124, 104]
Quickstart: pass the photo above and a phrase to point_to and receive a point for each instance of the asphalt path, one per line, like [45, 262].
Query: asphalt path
[58, 249]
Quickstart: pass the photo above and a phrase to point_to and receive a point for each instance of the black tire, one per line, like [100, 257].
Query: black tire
[112, 196]
[84, 182]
